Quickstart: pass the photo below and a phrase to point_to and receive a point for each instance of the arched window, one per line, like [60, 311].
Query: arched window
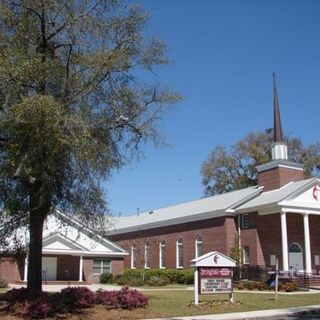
[147, 256]
[198, 246]
[179, 250]
[133, 256]
[295, 247]
[162, 254]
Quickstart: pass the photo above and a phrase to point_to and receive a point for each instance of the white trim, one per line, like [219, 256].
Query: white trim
[147, 252]
[198, 240]
[80, 268]
[25, 273]
[162, 246]
[133, 258]
[284, 241]
[307, 246]
[179, 244]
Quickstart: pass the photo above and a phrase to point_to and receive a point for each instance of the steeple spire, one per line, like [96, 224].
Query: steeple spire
[277, 127]
[279, 148]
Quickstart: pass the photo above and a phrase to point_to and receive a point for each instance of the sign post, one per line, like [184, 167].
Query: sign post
[213, 275]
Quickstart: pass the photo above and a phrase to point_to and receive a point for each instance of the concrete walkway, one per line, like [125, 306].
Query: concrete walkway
[59, 287]
[262, 314]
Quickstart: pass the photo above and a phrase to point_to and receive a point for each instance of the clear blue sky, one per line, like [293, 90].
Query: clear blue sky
[222, 57]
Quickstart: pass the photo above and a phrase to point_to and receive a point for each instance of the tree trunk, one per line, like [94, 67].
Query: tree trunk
[39, 210]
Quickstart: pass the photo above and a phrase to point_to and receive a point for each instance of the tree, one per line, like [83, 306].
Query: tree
[226, 171]
[72, 108]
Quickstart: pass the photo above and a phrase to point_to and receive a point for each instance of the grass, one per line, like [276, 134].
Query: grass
[171, 303]
[178, 303]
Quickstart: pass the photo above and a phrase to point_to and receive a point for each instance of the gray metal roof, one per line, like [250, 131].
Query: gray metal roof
[274, 196]
[205, 208]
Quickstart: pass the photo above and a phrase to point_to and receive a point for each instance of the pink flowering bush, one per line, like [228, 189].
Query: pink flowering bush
[74, 298]
[125, 298]
[131, 299]
[69, 300]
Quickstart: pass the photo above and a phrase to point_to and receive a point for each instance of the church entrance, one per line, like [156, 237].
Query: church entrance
[295, 257]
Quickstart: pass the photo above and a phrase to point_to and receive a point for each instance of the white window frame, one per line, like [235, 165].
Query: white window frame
[179, 253]
[101, 260]
[147, 256]
[245, 255]
[162, 254]
[245, 221]
[133, 263]
[198, 241]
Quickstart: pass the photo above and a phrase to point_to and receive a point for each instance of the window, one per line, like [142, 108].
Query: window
[162, 254]
[245, 221]
[147, 256]
[179, 249]
[198, 246]
[133, 256]
[273, 260]
[246, 255]
[101, 266]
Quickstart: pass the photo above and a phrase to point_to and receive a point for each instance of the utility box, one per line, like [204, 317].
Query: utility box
[213, 274]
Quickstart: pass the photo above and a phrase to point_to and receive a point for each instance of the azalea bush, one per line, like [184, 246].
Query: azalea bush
[69, 300]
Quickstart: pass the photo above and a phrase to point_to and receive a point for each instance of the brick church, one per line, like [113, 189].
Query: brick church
[277, 219]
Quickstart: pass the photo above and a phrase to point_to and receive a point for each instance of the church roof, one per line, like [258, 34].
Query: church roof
[210, 207]
[277, 195]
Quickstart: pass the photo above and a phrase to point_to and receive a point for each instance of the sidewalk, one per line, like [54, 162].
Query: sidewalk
[262, 314]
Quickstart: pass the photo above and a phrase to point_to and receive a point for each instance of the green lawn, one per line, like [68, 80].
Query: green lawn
[178, 303]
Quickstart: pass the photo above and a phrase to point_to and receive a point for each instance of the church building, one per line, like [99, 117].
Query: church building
[277, 219]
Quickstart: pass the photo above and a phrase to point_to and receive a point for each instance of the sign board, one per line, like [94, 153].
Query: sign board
[213, 274]
[215, 280]
[215, 285]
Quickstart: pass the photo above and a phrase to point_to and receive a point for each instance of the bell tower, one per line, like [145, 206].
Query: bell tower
[280, 170]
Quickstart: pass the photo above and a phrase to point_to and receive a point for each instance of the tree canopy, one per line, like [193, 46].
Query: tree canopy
[73, 106]
[228, 170]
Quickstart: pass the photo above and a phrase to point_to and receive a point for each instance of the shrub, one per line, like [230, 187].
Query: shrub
[252, 285]
[107, 298]
[106, 278]
[124, 280]
[74, 298]
[174, 276]
[3, 283]
[125, 298]
[288, 286]
[16, 295]
[21, 305]
[131, 299]
[158, 281]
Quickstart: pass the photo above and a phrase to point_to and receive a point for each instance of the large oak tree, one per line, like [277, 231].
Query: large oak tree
[73, 107]
[228, 170]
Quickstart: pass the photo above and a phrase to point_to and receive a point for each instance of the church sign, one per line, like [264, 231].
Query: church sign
[215, 280]
[213, 274]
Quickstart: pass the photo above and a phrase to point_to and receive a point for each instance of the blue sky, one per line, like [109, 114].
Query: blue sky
[222, 57]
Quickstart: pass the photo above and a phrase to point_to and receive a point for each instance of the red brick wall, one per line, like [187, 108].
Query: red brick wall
[87, 269]
[117, 266]
[264, 239]
[278, 177]
[12, 270]
[217, 234]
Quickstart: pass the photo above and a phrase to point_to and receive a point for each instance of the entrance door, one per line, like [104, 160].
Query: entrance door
[295, 257]
[49, 268]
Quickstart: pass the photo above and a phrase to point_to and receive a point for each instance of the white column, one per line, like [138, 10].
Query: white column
[80, 269]
[284, 241]
[196, 286]
[307, 247]
[25, 274]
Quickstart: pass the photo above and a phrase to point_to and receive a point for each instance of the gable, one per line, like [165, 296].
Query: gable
[58, 242]
[310, 196]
